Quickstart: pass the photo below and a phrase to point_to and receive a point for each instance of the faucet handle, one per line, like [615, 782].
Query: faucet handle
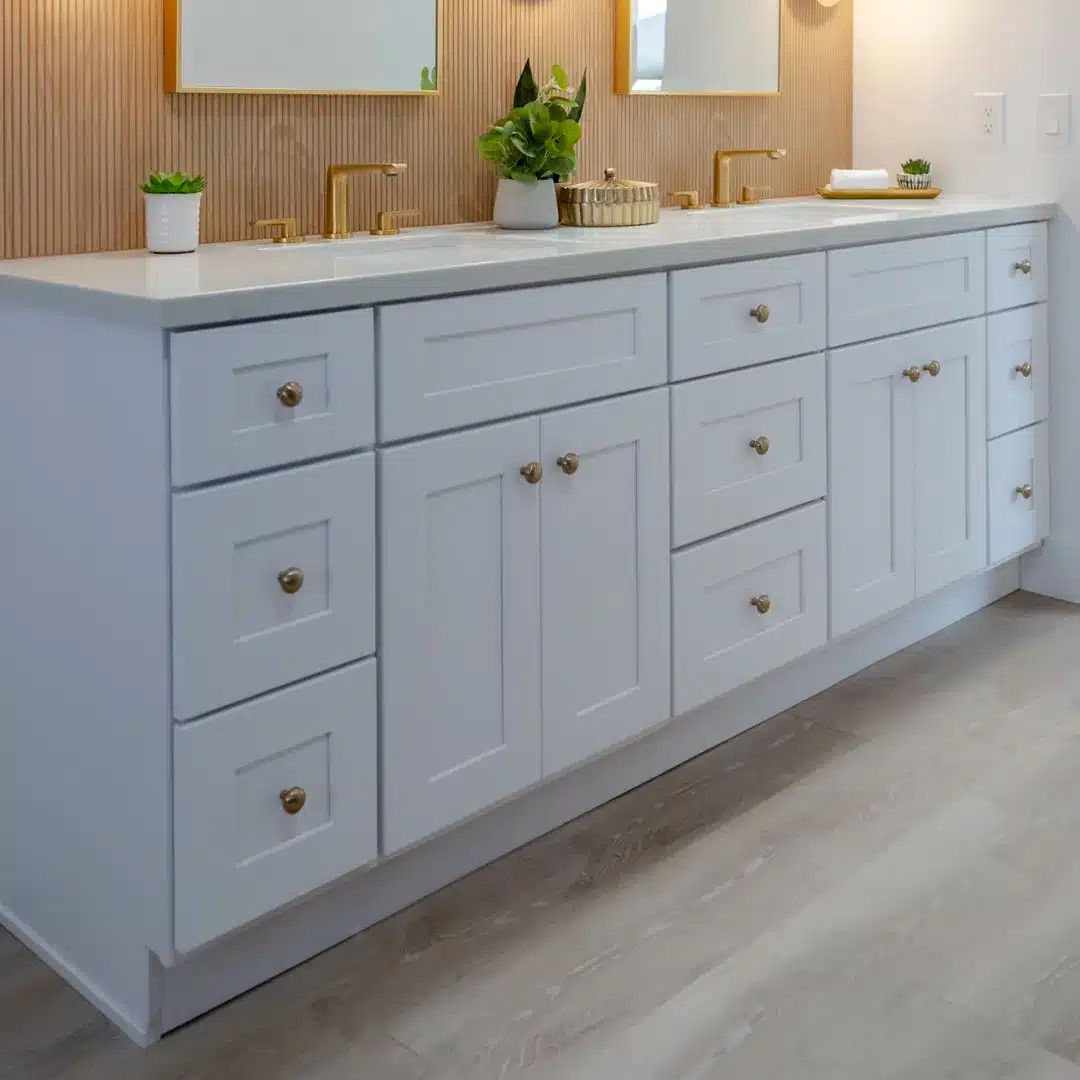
[752, 195]
[686, 200]
[385, 221]
[287, 225]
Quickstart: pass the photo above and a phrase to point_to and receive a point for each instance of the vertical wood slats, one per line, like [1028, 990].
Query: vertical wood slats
[83, 118]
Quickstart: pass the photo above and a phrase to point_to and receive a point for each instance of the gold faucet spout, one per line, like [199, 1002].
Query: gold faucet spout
[337, 193]
[722, 171]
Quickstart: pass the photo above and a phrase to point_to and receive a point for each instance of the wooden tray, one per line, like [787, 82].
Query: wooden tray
[882, 193]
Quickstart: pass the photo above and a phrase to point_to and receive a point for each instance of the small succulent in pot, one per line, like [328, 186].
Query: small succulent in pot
[917, 174]
[173, 203]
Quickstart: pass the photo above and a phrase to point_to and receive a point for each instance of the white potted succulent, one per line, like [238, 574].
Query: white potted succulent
[173, 203]
[916, 176]
[533, 146]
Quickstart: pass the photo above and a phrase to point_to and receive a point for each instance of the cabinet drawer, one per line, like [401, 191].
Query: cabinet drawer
[234, 388]
[712, 325]
[448, 363]
[1016, 464]
[1017, 261]
[238, 852]
[721, 481]
[886, 289]
[237, 628]
[721, 639]
[1018, 370]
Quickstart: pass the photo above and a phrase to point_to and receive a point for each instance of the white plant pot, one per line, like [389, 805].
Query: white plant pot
[526, 204]
[172, 222]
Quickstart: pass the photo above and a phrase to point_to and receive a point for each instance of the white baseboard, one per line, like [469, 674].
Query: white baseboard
[77, 978]
[207, 978]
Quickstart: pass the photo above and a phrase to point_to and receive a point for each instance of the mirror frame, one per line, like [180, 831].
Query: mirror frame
[624, 58]
[173, 68]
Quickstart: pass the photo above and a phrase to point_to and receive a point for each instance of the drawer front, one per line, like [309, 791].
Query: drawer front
[243, 844]
[712, 325]
[886, 289]
[747, 445]
[1017, 265]
[448, 363]
[1018, 370]
[256, 395]
[721, 639]
[240, 625]
[1018, 464]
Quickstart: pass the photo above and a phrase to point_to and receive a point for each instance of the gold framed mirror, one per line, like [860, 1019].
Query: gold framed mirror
[333, 47]
[697, 47]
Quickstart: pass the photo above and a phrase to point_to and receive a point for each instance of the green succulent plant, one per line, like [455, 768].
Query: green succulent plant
[916, 167]
[177, 183]
[536, 140]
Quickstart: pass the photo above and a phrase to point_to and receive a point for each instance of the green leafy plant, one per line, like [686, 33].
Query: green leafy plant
[916, 167]
[536, 140]
[177, 183]
[429, 78]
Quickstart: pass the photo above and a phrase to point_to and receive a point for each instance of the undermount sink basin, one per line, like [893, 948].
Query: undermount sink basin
[363, 246]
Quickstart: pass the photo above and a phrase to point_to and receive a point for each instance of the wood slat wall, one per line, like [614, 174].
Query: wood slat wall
[83, 118]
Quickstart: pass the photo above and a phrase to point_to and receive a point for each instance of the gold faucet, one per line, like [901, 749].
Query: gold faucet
[337, 194]
[722, 171]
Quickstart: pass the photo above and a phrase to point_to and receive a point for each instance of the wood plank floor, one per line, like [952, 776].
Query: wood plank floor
[883, 883]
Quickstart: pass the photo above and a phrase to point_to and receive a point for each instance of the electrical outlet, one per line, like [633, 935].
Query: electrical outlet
[990, 119]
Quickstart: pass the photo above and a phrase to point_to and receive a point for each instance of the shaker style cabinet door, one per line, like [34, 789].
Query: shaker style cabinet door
[459, 650]
[950, 453]
[605, 555]
[871, 483]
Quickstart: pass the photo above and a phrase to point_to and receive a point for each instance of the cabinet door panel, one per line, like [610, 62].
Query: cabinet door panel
[871, 483]
[950, 454]
[605, 550]
[460, 621]
[1019, 491]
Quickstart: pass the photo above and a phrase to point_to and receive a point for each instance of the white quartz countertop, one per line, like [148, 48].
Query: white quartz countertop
[227, 282]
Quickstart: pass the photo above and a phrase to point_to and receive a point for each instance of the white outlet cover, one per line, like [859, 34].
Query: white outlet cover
[989, 119]
[1054, 122]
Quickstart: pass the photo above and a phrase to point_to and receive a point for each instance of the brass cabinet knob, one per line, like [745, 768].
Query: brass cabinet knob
[1023, 369]
[761, 313]
[912, 373]
[290, 394]
[1024, 267]
[934, 368]
[291, 580]
[569, 463]
[292, 799]
[533, 472]
[762, 603]
[760, 444]
[1026, 491]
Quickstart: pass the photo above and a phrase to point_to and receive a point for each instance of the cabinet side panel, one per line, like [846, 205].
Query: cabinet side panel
[84, 652]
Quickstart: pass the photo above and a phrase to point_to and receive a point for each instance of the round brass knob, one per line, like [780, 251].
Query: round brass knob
[934, 368]
[1026, 491]
[292, 799]
[291, 580]
[912, 373]
[1023, 369]
[290, 394]
[761, 313]
[762, 603]
[533, 472]
[569, 463]
[760, 444]
[1024, 267]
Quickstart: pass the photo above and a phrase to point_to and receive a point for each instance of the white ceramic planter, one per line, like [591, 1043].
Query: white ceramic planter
[525, 204]
[172, 223]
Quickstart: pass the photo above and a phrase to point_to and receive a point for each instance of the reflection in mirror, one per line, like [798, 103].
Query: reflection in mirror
[698, 47]
[317, 46]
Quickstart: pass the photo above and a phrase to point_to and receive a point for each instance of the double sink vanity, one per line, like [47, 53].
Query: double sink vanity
[342, 568]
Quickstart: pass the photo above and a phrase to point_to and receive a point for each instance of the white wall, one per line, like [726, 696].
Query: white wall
[918, 64]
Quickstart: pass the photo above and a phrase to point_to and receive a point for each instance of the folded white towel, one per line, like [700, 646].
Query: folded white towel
[859, 179]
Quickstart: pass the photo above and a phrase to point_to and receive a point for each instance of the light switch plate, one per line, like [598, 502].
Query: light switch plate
[990, 119]
[1054, 121]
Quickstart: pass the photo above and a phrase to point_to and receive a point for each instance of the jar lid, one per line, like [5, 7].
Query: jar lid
[609, 191]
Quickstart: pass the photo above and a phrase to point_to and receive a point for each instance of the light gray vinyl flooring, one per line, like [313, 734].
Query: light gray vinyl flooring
[883, 883]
